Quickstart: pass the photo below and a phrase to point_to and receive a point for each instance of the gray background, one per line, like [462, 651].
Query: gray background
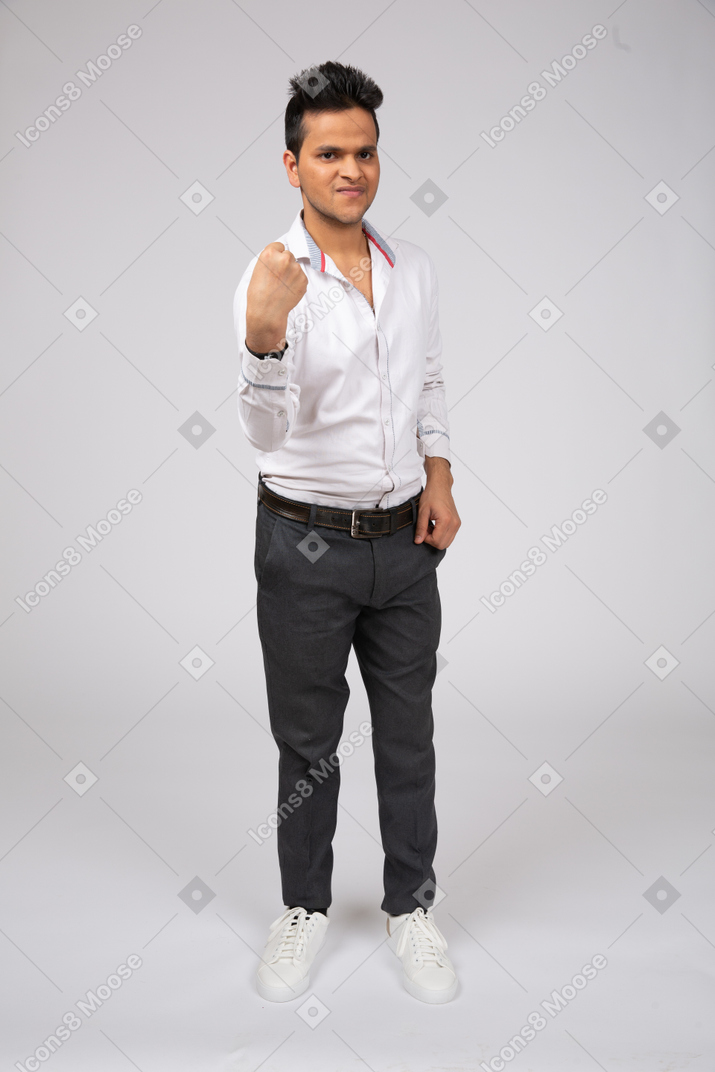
[535, 877]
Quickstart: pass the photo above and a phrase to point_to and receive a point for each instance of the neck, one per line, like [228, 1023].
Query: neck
[336, 239]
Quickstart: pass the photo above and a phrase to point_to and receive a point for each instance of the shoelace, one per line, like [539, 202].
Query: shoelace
[421, 930]
[294, 924]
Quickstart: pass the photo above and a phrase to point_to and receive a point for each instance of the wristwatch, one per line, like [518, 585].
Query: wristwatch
[271, 353]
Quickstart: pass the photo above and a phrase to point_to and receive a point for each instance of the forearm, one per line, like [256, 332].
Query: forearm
[438, 469]
[263, 333]
[264, 330]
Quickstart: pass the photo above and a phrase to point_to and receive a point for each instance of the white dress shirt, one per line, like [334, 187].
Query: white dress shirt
[346, 416]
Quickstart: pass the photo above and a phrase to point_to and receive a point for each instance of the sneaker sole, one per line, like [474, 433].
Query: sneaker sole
[282, 993]
[432, 997]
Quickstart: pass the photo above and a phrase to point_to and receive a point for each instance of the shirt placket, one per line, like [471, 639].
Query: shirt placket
[380, 281]
[381, 276]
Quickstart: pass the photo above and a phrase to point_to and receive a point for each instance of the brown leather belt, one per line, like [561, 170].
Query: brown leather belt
[359, 523]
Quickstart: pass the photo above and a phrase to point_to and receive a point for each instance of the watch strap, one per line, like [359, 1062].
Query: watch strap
[271, 353]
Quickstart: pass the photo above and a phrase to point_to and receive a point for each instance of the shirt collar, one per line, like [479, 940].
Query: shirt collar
[301, 243]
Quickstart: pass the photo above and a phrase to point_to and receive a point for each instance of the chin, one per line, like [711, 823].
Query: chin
[352, 211]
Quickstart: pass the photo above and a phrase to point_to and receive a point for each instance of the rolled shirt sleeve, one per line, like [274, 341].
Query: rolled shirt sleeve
[432, 416]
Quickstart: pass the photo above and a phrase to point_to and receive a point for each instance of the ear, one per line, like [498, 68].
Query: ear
[291, 166]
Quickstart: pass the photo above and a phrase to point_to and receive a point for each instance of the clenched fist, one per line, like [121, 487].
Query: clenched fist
[276, 286]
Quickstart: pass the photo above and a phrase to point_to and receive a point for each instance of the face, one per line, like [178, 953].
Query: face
[339, 153]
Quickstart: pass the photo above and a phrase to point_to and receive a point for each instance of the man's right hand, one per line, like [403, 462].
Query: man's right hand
[276, 286]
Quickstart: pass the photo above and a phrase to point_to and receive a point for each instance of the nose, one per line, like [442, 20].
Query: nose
[351, 171]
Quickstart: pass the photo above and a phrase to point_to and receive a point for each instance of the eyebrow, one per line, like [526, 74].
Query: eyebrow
[339, 149]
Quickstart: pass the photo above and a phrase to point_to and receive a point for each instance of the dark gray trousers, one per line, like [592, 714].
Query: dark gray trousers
[317, 596]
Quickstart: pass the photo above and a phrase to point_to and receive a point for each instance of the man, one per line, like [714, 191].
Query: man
[341, 393]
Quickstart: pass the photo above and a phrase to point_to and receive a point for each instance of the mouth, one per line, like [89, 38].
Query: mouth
[351, 191]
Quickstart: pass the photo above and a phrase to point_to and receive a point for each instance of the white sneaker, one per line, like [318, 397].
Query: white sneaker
[428, 973]
[293, 941]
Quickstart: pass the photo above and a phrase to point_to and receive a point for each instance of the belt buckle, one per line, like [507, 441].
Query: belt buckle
[355, 527]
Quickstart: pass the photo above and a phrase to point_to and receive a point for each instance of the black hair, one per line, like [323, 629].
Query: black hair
[329, 87]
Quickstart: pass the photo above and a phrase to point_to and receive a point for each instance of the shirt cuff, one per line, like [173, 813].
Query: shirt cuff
[439, 449]
[267, 372]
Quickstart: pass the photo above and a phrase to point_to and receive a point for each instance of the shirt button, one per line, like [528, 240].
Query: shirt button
[384, 375]
[387, 420]
[281, 413]
[281, 372]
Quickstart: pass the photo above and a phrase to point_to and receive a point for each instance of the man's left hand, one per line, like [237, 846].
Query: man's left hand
[437, 504]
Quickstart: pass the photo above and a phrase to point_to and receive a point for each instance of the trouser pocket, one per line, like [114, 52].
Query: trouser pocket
[265, 527]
